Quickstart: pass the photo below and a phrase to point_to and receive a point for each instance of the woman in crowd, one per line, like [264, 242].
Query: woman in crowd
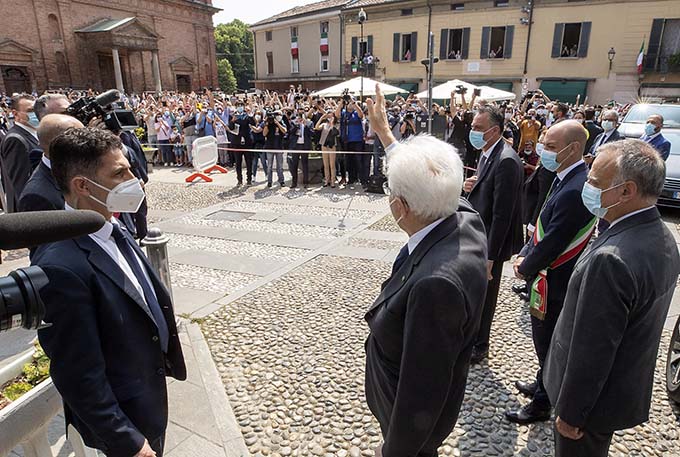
[328, 141]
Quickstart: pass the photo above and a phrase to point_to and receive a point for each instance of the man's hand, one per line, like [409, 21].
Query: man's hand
[568, 431]
[378, 118]
[469, 184]
[515, 266]
[489, 267]
[146, 451]
[96, 123]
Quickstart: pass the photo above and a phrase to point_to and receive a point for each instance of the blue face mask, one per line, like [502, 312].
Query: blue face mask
[592, 199]
[650, 129]
[549, 158]
[33, 120]
[239, 109]
[477, 139]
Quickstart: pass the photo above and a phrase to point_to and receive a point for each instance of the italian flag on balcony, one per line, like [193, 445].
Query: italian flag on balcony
[294, 46]
[324, 44]
[641, 57]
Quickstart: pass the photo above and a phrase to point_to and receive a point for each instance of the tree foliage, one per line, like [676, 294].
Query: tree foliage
[225, 76]
[234, 42]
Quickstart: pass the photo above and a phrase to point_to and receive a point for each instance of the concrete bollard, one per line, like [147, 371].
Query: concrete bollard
[156, 244]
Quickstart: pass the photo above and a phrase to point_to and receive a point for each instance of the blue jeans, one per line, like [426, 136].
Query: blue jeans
[262, 157]
[278, 156]
[166, 151]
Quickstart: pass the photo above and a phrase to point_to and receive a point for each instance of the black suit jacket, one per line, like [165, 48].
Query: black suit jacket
[599, 372]
[562, 217]
[307, 137]
[615, 136]
[41, 192]
[593, 131]
[497, 196]
[107, 362]
[15, 164]
[423, 327]
[536, 189]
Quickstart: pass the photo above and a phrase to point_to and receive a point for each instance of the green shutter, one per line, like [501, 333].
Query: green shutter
[395, 47]
[484, 51]
[585, 39]
[557, 41]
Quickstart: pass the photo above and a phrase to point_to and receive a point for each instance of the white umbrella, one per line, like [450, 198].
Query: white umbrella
[443, 91]
[491, 94]
[354, 87]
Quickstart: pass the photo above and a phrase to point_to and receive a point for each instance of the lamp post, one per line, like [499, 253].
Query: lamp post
[429, 71]
[610, 56]
[361, 18]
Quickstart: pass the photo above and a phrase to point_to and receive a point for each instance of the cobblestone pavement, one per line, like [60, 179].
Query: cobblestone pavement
[292, 360]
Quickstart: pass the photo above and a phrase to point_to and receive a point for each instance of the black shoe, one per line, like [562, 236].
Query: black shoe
[479, 354]
[522, 289]
[528, 414]
[524, 297]
[293, 186]
[269, 185]
[526, 388]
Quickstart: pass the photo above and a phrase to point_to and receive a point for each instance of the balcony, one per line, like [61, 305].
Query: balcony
[366, 70]
[663, 63]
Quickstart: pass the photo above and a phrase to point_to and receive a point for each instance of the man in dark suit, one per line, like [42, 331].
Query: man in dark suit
[599, 372]
[563, 229]
[654, 137]
[593, 129]
[20, 140]
[423, 323]
[610, 133]
[41, 192]
[495, 191]
[45, 105]
[136, 223]
[112, 337]
[300, 135]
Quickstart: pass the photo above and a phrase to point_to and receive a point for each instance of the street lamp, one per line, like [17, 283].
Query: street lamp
[610, 56]
[361, 18]
[429, 71]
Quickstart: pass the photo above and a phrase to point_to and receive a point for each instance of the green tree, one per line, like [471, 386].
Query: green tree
[234, 42]
[225, 75]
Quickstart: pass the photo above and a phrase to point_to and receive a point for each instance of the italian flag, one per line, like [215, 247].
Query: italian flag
[641, 57]
[294, 47]
[324, 44]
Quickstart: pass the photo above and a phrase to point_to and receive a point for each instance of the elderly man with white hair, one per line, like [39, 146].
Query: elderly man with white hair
[423, 324]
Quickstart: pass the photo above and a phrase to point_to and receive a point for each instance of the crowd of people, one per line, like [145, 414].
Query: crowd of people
[551, 183]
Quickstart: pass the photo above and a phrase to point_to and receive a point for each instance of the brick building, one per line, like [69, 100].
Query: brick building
[134, 45]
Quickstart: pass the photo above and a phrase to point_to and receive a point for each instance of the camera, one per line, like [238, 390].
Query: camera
[105, 105]
[20, 302]
[461, 90]
[345, 96]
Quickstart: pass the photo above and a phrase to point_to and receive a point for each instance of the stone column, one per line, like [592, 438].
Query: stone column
[156, 70]
[117, 71]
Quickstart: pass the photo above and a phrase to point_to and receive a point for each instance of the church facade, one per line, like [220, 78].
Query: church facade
[131, 45]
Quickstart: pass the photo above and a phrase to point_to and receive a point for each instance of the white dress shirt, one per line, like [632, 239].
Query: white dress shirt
[105, 240]
[415, 239]
[488, 152]
[563, 174]
[626, 216]
[47, 162]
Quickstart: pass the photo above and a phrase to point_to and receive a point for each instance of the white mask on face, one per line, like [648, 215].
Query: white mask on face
[400, 217]
[126, 197]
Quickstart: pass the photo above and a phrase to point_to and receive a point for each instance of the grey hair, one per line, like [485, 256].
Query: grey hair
[611, 111]
[428, 174]
[40, 107]
[639, 162]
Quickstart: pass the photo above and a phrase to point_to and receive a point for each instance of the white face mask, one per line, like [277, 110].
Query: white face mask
[400, 217]
[126, 197]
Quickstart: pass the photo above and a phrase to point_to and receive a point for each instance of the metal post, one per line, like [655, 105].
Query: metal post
[156, 244]
[361, 62]
[429, 81]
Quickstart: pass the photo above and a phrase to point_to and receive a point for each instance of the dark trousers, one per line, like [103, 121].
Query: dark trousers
[541, 333]
[352, 161]
[592, 444]
[238, 161]
[294, 162]
[166, 151]
[490, 300]
[365, 167]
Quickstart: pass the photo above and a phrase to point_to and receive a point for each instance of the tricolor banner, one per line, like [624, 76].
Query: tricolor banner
[641, 57]
[324, 44]
[294, 46]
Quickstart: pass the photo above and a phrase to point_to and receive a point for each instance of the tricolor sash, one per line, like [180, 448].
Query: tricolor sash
[538, 300]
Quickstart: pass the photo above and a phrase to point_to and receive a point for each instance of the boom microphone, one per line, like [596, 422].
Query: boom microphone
[31, 229]
[108, 97]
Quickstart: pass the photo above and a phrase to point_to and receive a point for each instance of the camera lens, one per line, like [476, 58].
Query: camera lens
[20, 303]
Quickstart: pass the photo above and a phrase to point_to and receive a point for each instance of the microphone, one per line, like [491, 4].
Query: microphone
[31, 229]
[108, 97]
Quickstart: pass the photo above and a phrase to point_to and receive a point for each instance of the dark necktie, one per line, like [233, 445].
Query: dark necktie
[401, 258]
[482, 162]
[126, 249]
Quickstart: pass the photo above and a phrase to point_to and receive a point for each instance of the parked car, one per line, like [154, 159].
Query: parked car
[633, 126]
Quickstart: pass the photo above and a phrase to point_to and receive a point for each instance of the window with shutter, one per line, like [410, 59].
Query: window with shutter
[396, 47]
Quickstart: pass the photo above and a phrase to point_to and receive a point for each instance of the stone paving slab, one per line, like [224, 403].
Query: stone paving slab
[319, 221]
[229, 262]
[188, 300]
[356, 252]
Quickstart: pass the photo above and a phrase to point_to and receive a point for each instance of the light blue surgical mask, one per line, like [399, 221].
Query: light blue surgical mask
[34, 122]
[549, 158]
[239, 109]
[477, 138]
[650, 129]
[592, 199]
[608, 126]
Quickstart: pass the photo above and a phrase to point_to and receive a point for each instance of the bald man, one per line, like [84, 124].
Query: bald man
[45, 105]
[41, 192]
[654, 137]
[563, 229]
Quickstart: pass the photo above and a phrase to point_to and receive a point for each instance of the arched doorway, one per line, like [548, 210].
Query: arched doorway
[16, 79]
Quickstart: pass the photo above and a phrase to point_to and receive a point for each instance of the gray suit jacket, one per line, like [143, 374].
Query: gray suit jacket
[600, 369]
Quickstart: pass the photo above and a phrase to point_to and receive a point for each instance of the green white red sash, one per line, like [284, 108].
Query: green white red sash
[538, 301]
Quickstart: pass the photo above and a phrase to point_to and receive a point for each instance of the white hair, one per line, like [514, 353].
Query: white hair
[428, 174]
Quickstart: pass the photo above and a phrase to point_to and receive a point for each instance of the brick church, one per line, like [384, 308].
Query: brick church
[132, 45]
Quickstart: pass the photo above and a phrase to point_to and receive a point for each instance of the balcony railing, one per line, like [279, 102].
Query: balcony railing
[664, 63]
[367, 70]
